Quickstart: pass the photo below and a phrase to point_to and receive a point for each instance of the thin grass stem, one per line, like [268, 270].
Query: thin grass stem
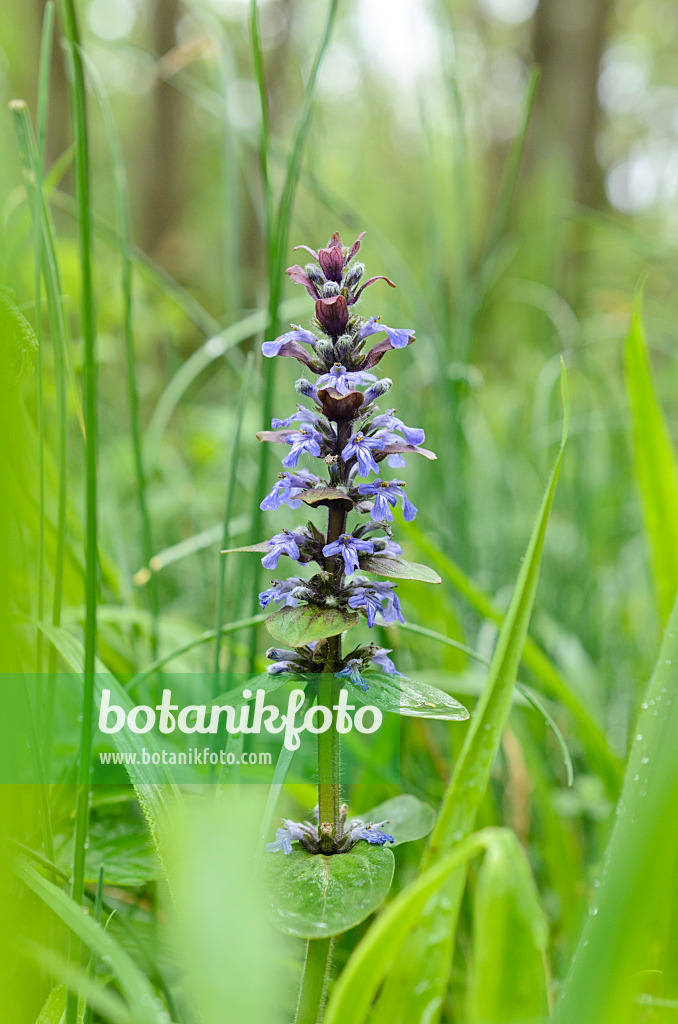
[78, 100]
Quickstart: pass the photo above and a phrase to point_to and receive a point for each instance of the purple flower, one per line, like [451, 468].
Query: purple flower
[352, 672]
[361, 447]
[368, 832]
[398, 336]
[305, 388]
[287, 488]
[301, 416]
[343, 380]
[285, 543]
[381, 660]
[348, 547]
[378, 389]
[303, 440]
[281, 654]
[280, 667]
[282, 590]
[387, 492]
[272, 348]
[376, 598]
[387, 421]
[293, 832]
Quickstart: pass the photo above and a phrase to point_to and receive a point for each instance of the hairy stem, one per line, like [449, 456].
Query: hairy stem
[329, 758]
[314, 981]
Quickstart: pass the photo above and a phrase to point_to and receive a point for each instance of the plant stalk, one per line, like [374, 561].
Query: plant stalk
[329, 757]
[314, 981]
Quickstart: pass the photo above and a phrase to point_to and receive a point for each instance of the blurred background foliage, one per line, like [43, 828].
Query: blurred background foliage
[506, 252]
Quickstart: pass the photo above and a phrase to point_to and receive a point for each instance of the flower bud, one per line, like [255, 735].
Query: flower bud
[325, 350]
[330, 289]
[315, 275]
[353, 275]
[279, 654]
[379, 388]
[305, 388]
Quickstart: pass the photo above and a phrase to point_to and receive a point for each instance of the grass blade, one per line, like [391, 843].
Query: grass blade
[621, 941]
[507, 983]
[418, 984]
[375, 953]
[80, 984]
[204, 638]
[121, 196]
[58, 325]
[551, 680]
[472, 770]
[134, 984]
[43, 97]
[78, 102]
[225, 537]
[656, 467]
[213, 348]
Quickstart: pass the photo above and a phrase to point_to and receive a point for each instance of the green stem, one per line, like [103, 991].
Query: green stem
[314, 981]
[329, 786]
[329, 757]
[78, 97]
[228, 509]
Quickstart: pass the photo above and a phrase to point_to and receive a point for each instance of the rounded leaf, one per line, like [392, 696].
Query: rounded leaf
[295, 627]
[313, 896]
[406, 697]
[407, 818]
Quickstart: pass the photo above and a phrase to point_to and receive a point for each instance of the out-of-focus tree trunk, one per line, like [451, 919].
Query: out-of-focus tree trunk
[162, 179]
[569, 36]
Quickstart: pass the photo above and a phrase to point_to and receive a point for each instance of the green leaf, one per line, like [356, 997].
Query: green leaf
[313, 896]
[261, 546]
[295, 627]
[54, 1006]
[122, 846]
[655, 466]
[405, 697]
[408, 818]
[507, 982]
[551, 680]
[235, 698]
[326, 496]
[133, 982]
[630, 926]
[155, 800]
[377, 952]
[387, 565]
[98, 994]
[419, 979]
